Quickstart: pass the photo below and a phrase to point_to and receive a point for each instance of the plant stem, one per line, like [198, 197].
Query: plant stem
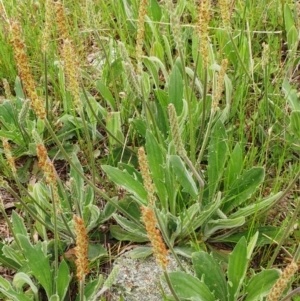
[171, 286]
[56, 238]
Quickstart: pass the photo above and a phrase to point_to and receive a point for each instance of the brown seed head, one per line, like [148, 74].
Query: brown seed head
[203, 21]
[282, 282]
[61, 21]
[81, 249]
[24, 70]
[71, 68]
[159, 248]
[140, 35]
[145, 171]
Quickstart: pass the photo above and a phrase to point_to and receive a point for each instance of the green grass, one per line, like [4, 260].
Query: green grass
[249, 147]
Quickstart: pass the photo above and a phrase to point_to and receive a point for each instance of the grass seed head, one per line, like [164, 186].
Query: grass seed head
[24, 70]
[159, 248]
[81, 249]
[281, 284]
[203, 21]
[175, 131]
[140, 35]
[145, 171]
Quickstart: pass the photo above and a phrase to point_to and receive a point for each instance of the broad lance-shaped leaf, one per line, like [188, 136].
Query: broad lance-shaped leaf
[38, 263]
[7, 290]
[183, 176]
[214, 225]
[217, 154]
[188, 287]
[156, 162]
[243, 188]
[176, 89]
[209, 270]
[237, 267]
[18, 224]
[260, 285]
[234, 167]
[126, 181]
[195, 218]
[257, 206]
[63, 280]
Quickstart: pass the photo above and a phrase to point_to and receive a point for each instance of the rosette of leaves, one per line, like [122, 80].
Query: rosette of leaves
[182, 207]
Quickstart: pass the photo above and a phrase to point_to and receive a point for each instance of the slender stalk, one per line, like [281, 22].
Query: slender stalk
[89, 145]
[189, 105]
[203, 104]
[171, 286]
[46, 86]
[81, 288]
[205, 140]
[56, 238]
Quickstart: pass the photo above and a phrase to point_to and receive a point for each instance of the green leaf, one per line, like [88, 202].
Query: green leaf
[295, 123]
[234, 167]
[106, 94]
[126, 181]
[63, 280]
[292, 38]
[251, 245]
[256, 207]
[91, 288]
[113, 124]
[20, 279]
[267, 235]
[18, 224]
[38, 262]
[5, 284]
[15, 295]
[140, 252]
[107, 212]
[226, 223]
[288, 18]
[291, 95]
[78, 179]
[199, 217]
[187, 286]
[243, 188]
[155, 10]
[120, 234]
[237, 268]
[7, 290]
[152, 68]
[155, 157]
[96, 251]
[260, 284]
[183, 176]
[176, 90]
[206, 267]
[130, 226]
[158, 51]
[7, 261]
[15, 255]
[217, 154]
